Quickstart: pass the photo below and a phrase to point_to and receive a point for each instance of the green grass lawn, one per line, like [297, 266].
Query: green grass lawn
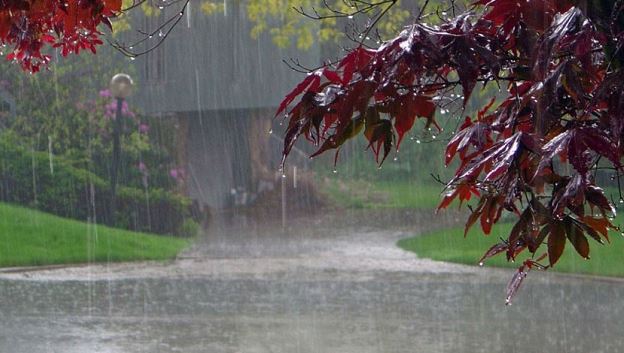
[29, 237]
[382, 194]
[450, 245]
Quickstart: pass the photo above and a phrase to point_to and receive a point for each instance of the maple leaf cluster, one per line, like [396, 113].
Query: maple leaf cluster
[27, 27]
[532, 152]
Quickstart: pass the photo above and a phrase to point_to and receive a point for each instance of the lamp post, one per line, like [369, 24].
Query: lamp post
[120, 87]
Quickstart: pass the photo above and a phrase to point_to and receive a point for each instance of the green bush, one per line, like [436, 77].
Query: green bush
[53, 185]
[189, 228]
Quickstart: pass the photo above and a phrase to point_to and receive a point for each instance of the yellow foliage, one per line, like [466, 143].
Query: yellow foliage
[211, 8]
[149, 9]
[285, 25]
[121, 23]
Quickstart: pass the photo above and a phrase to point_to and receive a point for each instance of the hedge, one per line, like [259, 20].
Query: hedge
[30, 178]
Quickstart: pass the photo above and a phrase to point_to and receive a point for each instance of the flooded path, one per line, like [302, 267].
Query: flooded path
[340, 285]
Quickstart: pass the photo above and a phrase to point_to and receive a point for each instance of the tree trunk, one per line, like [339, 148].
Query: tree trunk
[181, 151]
[262, 165]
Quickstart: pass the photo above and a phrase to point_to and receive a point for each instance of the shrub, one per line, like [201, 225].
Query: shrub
[52, 184]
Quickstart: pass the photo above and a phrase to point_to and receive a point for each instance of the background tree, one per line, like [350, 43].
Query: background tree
[28, 28]
[534, 152]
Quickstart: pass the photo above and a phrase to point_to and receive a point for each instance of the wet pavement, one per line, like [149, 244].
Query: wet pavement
[340, 285]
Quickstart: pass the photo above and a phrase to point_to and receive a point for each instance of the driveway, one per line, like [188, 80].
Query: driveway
[332, 284]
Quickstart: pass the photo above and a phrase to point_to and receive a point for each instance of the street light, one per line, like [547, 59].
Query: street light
[120, 87]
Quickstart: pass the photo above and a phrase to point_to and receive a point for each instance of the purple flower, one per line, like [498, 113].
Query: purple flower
[105, 93]
[177, 174]
[125, 110]
[143, 128]
[110, 109]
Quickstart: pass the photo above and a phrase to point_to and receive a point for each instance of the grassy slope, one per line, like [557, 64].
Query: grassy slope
[382, 194]
[449, 245]
[29, 237]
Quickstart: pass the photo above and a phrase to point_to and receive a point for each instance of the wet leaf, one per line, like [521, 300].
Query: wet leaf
[599, 225]
[556, 242]
[576, 237]
[493, 251]
[514, 284]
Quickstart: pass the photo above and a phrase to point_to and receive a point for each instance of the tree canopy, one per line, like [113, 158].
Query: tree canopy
[28, 26]
[533, 151]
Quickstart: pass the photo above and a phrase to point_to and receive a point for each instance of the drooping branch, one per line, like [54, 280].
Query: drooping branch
[159, 34]
[564, 89]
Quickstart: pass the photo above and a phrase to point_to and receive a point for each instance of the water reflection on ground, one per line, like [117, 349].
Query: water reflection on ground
[345, 288]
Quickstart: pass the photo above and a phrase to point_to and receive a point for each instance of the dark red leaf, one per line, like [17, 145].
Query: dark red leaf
[556, 242]
[493, 251]
[514, 284]
[310, 83]
[576, 237]
[600, 225]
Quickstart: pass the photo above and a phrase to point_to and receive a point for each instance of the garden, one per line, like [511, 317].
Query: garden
[56, 152]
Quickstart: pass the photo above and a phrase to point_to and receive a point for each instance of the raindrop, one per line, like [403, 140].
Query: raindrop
[161, 34]
[270, 131]
[418, 141]
[350, 17]
[335, 171]
[283, 175]
[481, 264]
[402, 91]
[50, 155]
